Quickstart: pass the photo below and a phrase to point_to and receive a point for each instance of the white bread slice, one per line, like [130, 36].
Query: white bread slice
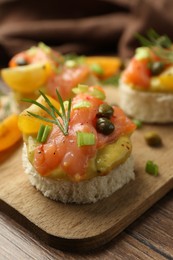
[83, 192]
[149, 107]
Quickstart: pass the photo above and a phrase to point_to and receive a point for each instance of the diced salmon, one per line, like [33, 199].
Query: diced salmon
[67, 79]
[137, 73]
[38, 55]
[63, 151]
[123, 126]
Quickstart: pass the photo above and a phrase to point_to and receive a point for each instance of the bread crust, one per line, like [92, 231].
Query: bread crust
[88, 191]
[150, 107]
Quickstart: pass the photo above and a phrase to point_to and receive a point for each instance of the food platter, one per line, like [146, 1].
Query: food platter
[84, 227]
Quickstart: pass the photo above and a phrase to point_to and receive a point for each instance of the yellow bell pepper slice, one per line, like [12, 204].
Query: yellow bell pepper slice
[9, 132]
[166, 81]
[29, 124]
[27, 78]
[109, 65]
[163, 82]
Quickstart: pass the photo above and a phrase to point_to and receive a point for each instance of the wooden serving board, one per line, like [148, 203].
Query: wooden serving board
[84, 227]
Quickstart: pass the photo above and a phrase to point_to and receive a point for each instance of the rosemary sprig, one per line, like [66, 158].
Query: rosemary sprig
[160, 44]
[53, 112]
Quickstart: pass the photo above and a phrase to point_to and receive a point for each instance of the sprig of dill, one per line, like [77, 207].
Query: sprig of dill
[53, 112]
[160, 44]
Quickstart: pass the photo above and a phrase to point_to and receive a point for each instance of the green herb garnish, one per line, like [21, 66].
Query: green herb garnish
[53, 112]
[82, 104]
[160, 44]
[137, 122]
[95, 92]
[71, 63]
[152, 168]
[43, 133]
[81, 88]
[95, 67]
[114, 80]
[84, 138]
[78, 59]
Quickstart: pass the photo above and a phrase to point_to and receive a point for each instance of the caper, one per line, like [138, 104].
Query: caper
[153, 139]
[104, 126]
[105, 111]
[156, 67]
[21, 61]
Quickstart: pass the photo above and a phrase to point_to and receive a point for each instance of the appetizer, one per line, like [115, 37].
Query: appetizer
[41, 67]
[146, 86]
[9, 131]
[29, 70]
[77, 151]
[82, 70]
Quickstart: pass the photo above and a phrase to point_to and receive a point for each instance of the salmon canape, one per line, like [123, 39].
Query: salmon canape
[77, 150]
[146, 85]
[42, 68]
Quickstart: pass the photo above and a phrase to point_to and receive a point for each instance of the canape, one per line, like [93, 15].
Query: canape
[146, 85]
[81, 151]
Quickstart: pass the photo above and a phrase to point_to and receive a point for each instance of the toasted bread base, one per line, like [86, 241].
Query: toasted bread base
[150, 107]
[83, 192]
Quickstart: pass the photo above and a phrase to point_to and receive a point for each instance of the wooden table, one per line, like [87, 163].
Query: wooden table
[150, 237]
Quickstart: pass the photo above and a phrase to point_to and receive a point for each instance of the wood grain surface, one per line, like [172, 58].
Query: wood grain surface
[84, 227]
[149, 237]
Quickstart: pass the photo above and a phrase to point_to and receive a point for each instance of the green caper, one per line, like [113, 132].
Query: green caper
[21, 61]
[104, 126]
[153, 139]
[105, 111]
[156, 67]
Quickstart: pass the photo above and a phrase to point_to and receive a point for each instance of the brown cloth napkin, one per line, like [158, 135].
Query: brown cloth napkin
[81, 26]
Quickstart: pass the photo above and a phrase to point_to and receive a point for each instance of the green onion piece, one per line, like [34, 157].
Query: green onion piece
[138, 123]
[97, 93]
[82, 104]
[152, 168]
[44, 47]
[142, 53]
[43, 133]
[71, 63]
[80, 89]
[46, 132]
[114, 80]
[95, 67]
[40, 133]
[84, 138]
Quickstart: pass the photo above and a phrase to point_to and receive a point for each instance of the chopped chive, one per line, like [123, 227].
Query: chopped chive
[152, 168]
[82, 104]
[40, 133]
[142, 53]
[70, 63]
[84, 138]
[44, 47]
[138, 123]
[114, 80]
[95, 67]
[46, 132]
[97, 93]
[80, 89]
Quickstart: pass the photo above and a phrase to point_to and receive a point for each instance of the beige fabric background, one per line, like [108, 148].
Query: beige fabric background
[81, 26]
